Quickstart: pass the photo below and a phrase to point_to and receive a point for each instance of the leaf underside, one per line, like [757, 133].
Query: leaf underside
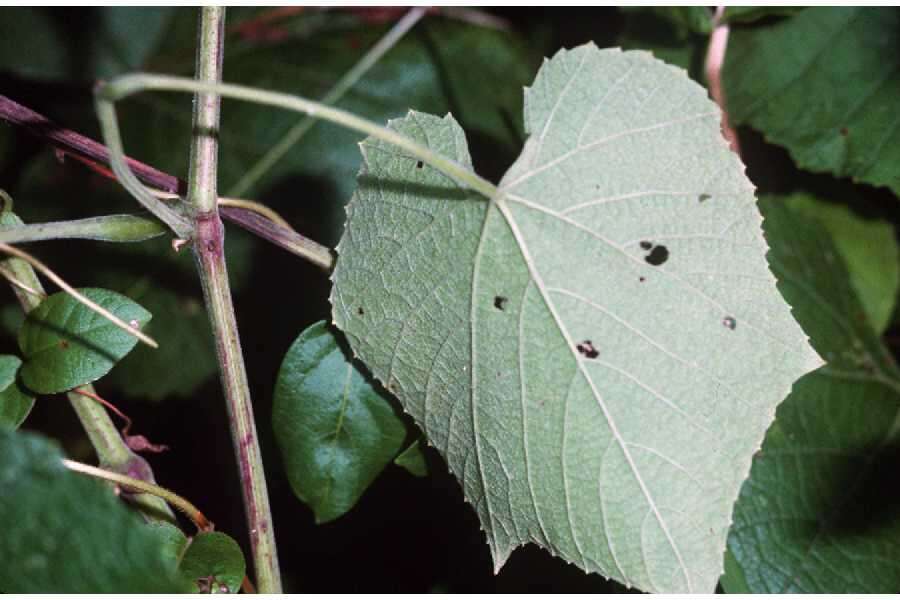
[597, 351]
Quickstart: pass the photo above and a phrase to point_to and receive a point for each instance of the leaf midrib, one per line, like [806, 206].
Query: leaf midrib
[500, 204]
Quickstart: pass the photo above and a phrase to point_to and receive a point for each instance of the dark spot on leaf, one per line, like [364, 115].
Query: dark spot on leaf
[500, 302]
[844, 131]
[63, 344]
[586, 348]
[704, 197]
[646, 245]
[360, 311]
[657, 256]
[729, 322]
[420, 164]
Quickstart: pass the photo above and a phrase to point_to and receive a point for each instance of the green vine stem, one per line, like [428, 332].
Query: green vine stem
[191, 511]
[112, 451]
[208, 237]
[122, 87]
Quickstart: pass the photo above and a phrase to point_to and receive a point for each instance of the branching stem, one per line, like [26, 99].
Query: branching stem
[111, 449]
[208, 236]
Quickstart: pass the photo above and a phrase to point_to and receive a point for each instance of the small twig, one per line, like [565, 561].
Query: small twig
[45, 270]
[715, 59]
[284, 237]
[79, 146]
[191, 511]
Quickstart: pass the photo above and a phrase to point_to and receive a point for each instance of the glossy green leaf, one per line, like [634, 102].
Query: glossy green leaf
[336, 429]
[66, 344]
[413, 459]
[819, 511]
[181, 327]
[830, 100]
[213, 562]
[66, 533]
[15, 403]
[585, 349]
[869, 250]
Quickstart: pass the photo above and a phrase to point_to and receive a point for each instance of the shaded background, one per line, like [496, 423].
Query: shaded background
[406, 534]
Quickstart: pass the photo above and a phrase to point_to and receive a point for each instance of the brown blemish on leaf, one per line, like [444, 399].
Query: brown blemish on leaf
[586, 349]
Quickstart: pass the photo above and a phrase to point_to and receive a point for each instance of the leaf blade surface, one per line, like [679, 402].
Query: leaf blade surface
[574, 346]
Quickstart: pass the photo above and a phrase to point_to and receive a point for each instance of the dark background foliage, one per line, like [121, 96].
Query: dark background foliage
[406, 533]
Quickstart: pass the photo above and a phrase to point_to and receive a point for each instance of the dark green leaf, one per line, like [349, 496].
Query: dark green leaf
[214, 563]
[869, 250]
[818, 513]
[78, 45]
[63, 532]
[824, 85]
[65, 344]
[413, 459]
[336, 430]
[15, 404]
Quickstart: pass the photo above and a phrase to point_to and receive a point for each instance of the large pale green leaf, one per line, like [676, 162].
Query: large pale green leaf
[15, 404]
[66, 344]
[63, 532]
[830, 100]
[336, 430]
[869, 249]
[819, 512]
[597, 351]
